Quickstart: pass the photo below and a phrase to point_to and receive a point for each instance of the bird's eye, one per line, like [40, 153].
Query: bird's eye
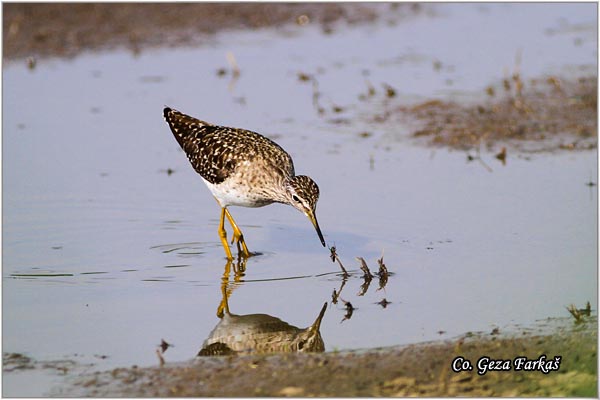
[296, 198]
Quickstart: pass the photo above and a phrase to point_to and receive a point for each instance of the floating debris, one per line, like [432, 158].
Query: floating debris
[502, 155]
[363, 266]
[389, 90]
[371, 89]
[334, 257]
[367, 276]
[160, 350]
[349, 310]
[304, 77]
[383, 273]
[364, 287]
[580, 313]
[31, 62]
[333, 254]
[161, 359]
[575, 313]
[384, 302]
[233, 64]
[335, 295]
[164, 345]
[478, 158]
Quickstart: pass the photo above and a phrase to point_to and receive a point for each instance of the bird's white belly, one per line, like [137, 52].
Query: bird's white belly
[228, 194]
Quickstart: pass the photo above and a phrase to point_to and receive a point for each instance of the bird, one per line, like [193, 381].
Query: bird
[260, 334]
[242, 168]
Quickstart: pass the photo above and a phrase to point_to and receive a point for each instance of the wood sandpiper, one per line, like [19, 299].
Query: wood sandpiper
[242, 168]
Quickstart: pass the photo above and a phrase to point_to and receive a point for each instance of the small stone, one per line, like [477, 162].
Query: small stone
[291, 391]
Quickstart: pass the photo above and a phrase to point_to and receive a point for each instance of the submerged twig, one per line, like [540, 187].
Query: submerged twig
[383, 273]
[364, 287]
[161, 359]
[160, 350]
[367, 276]
[164, 345]
[363, 266]
[335, 295]
[334, 257]
[580, 313]
[235, 70]
[478, 158]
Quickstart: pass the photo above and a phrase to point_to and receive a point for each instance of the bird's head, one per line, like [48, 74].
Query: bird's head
[309, 339]
[302, 193]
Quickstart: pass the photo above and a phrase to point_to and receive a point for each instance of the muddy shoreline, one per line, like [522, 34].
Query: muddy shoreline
[67, 29]
[415, 370]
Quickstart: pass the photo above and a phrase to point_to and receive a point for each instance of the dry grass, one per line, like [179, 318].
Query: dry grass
[542, 115]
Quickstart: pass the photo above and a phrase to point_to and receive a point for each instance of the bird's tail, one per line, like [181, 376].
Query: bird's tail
[182, 125]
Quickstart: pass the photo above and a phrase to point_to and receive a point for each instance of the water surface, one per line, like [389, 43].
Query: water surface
[105, 253]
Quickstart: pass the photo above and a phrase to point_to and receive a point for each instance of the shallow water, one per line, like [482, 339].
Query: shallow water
[105, 253]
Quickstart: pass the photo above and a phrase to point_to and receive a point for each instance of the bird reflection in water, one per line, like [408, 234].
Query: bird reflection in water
[257, 333]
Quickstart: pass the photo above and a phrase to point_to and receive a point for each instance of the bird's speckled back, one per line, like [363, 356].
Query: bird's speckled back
[215, 152]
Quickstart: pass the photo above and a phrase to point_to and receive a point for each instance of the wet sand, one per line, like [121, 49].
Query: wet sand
[415, 370]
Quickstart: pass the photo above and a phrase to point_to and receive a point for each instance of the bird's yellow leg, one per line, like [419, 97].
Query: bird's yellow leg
[238, 237]
[227, 287]
[224, 306]
[239, 269]
[223, 233]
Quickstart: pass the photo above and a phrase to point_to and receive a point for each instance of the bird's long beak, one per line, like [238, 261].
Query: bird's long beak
[317, 324]
[313, 219]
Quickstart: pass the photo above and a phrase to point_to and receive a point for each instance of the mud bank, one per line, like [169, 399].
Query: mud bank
[66, 29]
[415, 370]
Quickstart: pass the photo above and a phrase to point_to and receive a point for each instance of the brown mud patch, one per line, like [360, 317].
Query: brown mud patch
[66, 29]
[540, 115]
[415, 370]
